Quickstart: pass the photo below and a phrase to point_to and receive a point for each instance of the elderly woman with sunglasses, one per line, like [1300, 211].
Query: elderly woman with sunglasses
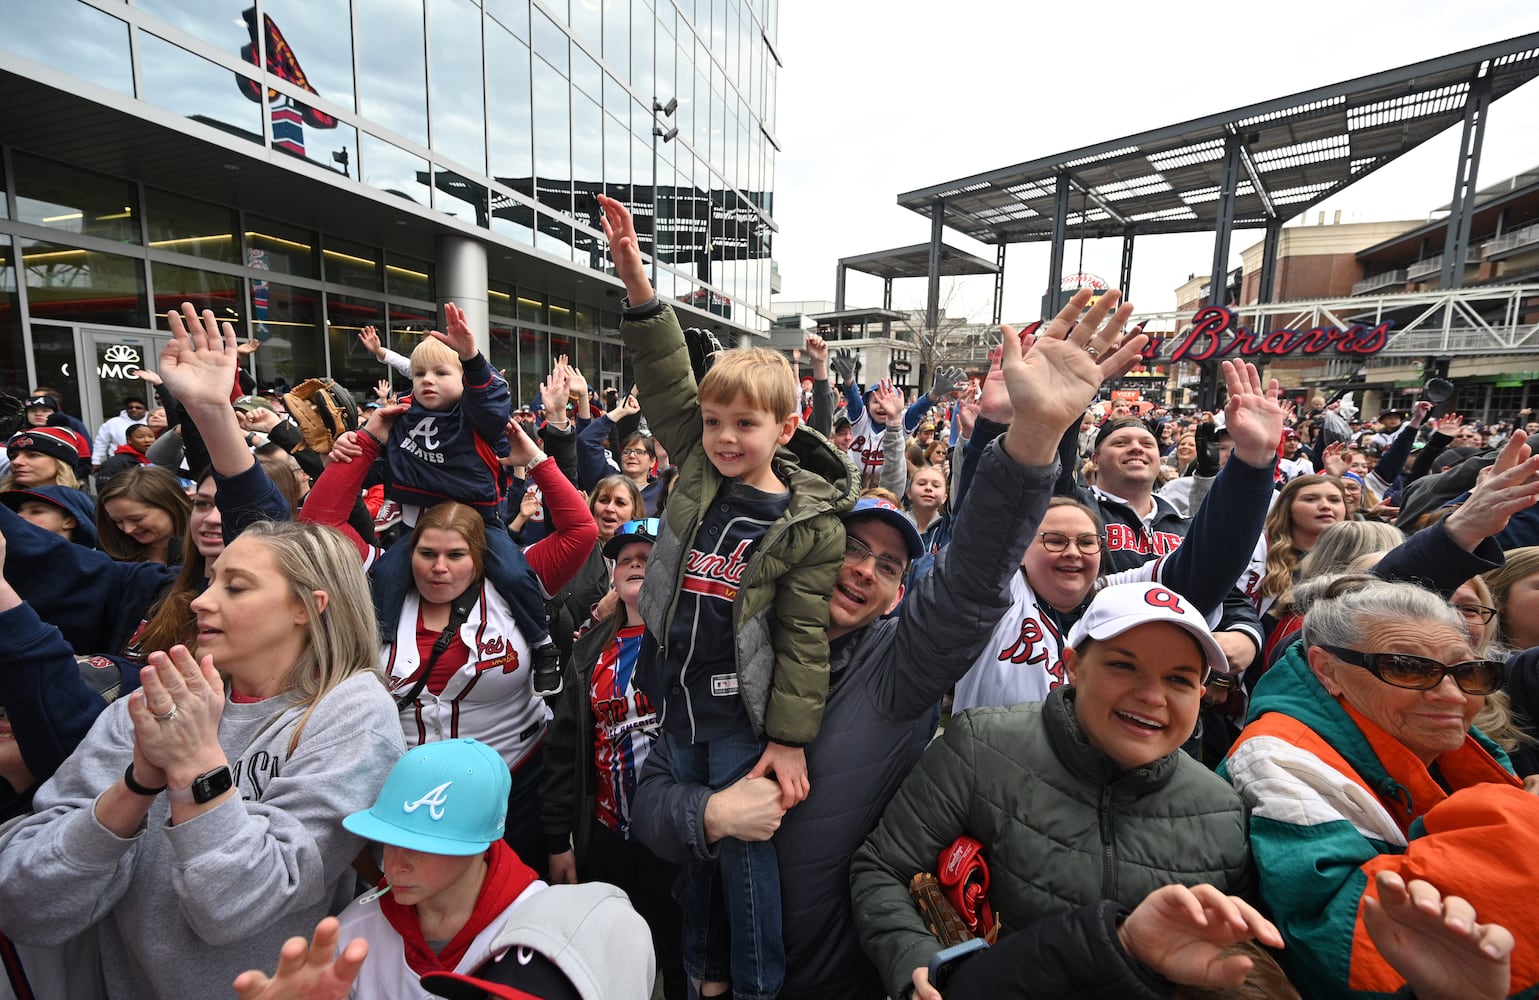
[1361, 758]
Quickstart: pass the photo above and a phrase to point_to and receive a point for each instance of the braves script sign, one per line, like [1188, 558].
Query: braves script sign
[1214, 334]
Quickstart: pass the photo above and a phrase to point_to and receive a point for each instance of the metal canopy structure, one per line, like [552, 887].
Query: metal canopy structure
[917, 261]
[1250, 168]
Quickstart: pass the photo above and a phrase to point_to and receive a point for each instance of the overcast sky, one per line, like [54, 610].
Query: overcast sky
[878, 97]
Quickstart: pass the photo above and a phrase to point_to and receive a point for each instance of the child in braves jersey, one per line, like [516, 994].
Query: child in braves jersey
[602, 733]
[447, 446]
[868, 426]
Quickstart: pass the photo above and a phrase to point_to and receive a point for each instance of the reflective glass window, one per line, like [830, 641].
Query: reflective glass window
[460, 196]
[217, 22]
[83, 286]
[554, 237]
[587, 21]
[408, 277]
[587, 75]
[551, 43]
[534, 362]
[642, 30]
[587, 140]
[509, 129]
[392, 66]
[617, 36]
[188, 85]
[187, 226]
[72, 38]
[552, 137]
[456, 92]
[512, 218]
[351, 362]
[53, 352]
[72, 200]
[408, 325]
[286, 320]
[609, 364]
[503, 352]
[617, 159]
[512, 14]
[279, 247]
[13, 355]
[326, 141]
[204, 289]
[390, 168]
[319, 37]
[352, 264]
[530, 306]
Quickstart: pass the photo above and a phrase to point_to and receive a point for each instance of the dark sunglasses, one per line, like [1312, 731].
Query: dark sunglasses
[1422, 673]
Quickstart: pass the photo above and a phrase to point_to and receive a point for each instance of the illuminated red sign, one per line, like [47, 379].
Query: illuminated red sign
[1214, 334]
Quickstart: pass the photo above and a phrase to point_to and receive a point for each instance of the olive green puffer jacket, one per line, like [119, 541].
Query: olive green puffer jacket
[1060, 824]
[780, 616]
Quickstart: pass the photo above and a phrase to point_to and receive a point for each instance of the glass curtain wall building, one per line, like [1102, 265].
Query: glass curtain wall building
[309, 167]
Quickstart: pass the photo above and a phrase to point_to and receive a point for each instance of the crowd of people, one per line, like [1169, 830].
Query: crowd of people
[686, 691]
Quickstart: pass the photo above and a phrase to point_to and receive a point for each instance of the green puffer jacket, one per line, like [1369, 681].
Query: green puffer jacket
[780, 616]
[1060, 824]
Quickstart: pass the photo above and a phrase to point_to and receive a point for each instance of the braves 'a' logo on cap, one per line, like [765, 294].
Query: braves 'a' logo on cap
[1159, 597]
[434, 800]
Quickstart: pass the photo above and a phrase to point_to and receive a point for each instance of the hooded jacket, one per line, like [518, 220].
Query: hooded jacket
[780, 616]
[1336, 799]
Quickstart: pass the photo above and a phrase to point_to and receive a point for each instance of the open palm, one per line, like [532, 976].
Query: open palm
[1253, 416]
[198, 363]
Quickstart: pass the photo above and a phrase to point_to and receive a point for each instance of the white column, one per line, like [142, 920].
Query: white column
[462, 280]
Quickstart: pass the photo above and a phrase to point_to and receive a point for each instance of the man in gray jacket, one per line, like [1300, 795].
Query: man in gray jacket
[888, 674]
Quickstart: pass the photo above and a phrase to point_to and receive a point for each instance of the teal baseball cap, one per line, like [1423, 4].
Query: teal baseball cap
[449, 797]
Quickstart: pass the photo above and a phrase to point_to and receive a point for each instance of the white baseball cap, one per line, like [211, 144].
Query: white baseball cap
[1128, 605]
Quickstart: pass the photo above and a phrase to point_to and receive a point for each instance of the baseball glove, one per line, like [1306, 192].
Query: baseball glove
[939, 915]
[323, 410]
[12, 415]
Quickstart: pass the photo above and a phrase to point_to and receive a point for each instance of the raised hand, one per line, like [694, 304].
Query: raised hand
[306, 970]
[459, 336]
[1435, 942]
[553, 393]
[817, 353]
[1253, 415]
[1333, 458]
[521, 450]
[176, 714]
[145, 375]
[1420, 412]
[249, 347]
[1448, 423]
[198, 363]
[886, 402]
[627, 407]
[843, 363]
[967, 416]
[625, 250]
[948, 381]
[1052, 377]
[382, 390]
[1182, 934]
[1507, 487]
[369, 338]
[993, 396]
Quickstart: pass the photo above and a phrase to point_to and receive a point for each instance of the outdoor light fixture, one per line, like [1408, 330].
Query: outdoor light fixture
[667, 135]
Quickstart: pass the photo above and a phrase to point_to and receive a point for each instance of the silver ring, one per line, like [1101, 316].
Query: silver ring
[168, 716]
[1092, 352]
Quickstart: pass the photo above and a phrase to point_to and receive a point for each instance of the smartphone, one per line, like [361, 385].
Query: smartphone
[944, 963]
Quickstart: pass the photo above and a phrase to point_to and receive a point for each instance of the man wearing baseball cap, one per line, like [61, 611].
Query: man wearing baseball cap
[459, 914]
[887, 672]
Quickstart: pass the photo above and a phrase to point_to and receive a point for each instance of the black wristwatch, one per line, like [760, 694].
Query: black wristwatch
[135, 787]
[205, 787]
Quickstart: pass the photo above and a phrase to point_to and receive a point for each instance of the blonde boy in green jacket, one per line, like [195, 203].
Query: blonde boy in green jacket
[737, 596]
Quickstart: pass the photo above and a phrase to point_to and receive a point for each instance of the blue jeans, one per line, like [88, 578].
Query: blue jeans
[732, 905]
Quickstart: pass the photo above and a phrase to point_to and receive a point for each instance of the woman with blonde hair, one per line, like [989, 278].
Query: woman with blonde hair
[41, 456]
[1515, 595]
[199, 824]
[141, 516]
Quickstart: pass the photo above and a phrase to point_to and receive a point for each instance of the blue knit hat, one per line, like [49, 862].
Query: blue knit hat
[75, 503]
[449, 797]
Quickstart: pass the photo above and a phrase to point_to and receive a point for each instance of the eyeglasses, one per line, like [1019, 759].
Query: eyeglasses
[1475, 612]
[1057, 541]
[857, 552]
[1422, 673]
[636, 453]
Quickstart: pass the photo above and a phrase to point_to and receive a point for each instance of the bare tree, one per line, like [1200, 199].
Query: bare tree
[951, 339]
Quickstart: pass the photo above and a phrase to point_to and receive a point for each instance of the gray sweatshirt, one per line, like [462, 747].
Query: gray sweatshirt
[181, 910]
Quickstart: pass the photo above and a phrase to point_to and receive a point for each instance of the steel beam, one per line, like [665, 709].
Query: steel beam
[999, 283]
[1462, 209]
[937, 230]
[1054, 296]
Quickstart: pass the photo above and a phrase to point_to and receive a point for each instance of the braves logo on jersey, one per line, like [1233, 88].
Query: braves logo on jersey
[1033, 647]
[712, 574]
